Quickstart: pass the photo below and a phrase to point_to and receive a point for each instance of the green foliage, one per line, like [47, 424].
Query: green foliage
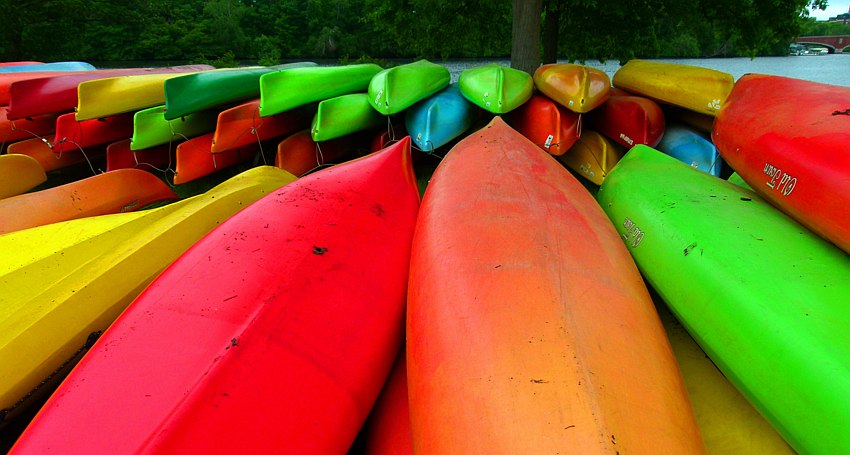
[223, 32]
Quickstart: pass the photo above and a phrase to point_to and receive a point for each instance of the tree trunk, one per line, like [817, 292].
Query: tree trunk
[550, 31]
[525, 35]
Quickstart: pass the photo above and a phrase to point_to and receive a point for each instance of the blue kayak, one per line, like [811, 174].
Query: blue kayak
[435, 121]
[689, 146]
[55, 66]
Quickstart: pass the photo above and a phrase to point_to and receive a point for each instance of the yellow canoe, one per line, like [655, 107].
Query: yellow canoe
[63, 284]
[592, 156]
[729, 424]
[19, 174]
[579, 88]
[117, 95]
[699, 89]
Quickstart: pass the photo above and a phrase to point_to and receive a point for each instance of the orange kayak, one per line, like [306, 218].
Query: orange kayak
[19, 174]
[242, 125]
[124, 190]
[299, 154]
[579, 88]
[40, 150]
[26, 128]
[529, 328]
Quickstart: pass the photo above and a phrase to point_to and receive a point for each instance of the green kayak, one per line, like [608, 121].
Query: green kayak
[150, 128]
[395, 89]
[496, 88]
[286, 89]
[764, 297]
[196, 92]
[343, 115]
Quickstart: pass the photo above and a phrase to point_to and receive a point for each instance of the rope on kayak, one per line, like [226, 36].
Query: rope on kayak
[259, 142]
[80, 148]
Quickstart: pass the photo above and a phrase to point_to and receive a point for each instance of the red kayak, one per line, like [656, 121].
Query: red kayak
[551, 126]
[242, 125]
[72, 135]
[272, 334]
[194, 159]
[387, 432]
[788, 139]
[58, 93]
[120, 156]
[629, 120]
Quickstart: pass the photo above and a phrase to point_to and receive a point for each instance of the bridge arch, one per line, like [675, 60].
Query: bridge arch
[835, 43]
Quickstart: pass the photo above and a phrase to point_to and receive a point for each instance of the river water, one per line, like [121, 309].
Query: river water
[829, 69]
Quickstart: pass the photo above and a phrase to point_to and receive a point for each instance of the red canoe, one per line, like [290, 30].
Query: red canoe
[71, 135]
[551, 126]
[58, 93]
[272, 334]
[125, 190]
[529, 329]
[788, 139]
[242, 125]
[629, 120]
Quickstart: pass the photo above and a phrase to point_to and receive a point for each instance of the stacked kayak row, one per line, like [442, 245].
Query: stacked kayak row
[508, 313]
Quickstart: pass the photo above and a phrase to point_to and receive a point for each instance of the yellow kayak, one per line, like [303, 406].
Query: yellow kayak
[729, 424]
[63, 284]
[699, 89]
[592, 156]
[19, 174]
[117, 95]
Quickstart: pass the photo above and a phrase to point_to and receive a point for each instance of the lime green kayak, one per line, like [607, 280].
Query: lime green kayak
[343, 115]
[395, 89]
[196, 92]
[763, 296]
[150, 127]
[496, 88]
[286, 89]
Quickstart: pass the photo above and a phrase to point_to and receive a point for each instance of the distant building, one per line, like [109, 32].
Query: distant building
[843, 18]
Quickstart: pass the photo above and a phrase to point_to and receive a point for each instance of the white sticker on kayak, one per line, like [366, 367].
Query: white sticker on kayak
[779, 180]
[633, 234]
[548, 142]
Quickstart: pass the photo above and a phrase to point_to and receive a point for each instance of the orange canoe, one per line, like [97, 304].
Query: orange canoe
[40, 150]
[124, 190]
[529, 328]
[579, 88]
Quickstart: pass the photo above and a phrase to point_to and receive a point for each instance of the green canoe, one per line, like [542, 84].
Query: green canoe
[496, 88]
[764, 297]
[395, 89]
[196, 92]
[286, 89]
[343, 115]
[150, 128]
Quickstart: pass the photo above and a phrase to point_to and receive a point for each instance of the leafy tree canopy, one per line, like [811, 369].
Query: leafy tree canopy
[271, 30]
